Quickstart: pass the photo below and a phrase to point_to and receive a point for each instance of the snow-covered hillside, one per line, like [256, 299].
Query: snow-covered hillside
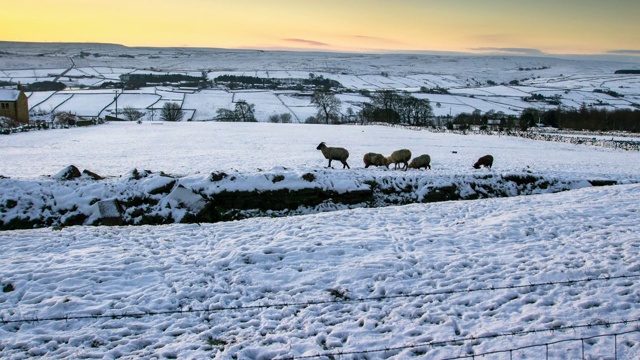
[475, 82]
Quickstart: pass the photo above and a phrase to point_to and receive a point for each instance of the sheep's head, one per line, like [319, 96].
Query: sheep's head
[321, 146]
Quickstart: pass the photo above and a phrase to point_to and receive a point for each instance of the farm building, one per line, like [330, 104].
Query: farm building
[14, 105]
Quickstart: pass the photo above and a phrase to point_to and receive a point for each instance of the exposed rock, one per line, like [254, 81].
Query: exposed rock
[68, 173]
[182, 197]
[92, 175]
[217, 176]
[110, 213]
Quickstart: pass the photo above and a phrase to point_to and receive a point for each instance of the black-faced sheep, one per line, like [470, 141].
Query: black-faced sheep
[374, 159]
[486, 161]
[422, 161]
[399, 156]
[334, 153]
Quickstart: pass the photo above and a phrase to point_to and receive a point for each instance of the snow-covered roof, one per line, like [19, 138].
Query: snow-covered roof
[9, 95]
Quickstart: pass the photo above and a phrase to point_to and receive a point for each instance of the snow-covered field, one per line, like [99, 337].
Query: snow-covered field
[441, 280]
[199, 148]
[435, 281]
[543, 276]
[469, 79]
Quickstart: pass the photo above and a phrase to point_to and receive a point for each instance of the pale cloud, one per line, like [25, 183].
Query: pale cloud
[510, 50]
[306, 42]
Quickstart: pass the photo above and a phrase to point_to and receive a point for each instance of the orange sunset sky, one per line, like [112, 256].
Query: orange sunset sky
[514, 26]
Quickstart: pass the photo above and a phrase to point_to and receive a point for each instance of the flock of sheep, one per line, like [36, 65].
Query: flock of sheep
[397, 157]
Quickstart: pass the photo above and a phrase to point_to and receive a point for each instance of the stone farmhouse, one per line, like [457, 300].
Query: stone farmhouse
[14, 105]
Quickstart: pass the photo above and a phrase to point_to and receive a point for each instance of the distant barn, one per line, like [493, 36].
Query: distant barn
[14, 105]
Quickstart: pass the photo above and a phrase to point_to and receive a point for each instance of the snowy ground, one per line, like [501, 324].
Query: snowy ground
[435, 281]
[442, 280]
[200, 148]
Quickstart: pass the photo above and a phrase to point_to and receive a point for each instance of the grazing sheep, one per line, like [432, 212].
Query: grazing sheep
[422, 161]
[486, 161]
[334, 153]
[374, 159]
[399, 156]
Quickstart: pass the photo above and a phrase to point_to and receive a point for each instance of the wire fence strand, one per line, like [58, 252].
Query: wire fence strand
[307, 303]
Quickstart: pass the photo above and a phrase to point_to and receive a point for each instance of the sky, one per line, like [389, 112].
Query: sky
[484, 26]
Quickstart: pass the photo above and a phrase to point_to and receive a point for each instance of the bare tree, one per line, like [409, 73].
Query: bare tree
[223, 114]
[171, 112]
[328, 106]
[132, 114]
[245, 111]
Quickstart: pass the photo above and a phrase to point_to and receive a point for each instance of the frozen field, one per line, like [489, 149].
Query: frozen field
[445, 280]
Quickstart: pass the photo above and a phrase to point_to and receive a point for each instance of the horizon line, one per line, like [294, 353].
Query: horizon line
[481, 51]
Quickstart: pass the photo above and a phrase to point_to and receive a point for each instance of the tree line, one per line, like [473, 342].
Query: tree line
[585, 118]
[243, 81]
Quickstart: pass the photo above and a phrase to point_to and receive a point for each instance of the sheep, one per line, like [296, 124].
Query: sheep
[422, 161]
[374, 159]
[334, 153]
[399, 156]
[486, 161]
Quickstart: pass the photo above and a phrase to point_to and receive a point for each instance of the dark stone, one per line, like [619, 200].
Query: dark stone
[92, 175]
[69, 173]
[217, 176]
[110, 213]
[602, 182]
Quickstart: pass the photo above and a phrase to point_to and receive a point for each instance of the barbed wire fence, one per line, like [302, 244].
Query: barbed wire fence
[441, 343]
[211, 310]
[341, 299]
[546, 345]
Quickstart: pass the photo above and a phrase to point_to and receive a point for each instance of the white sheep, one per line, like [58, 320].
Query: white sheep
[374, 159]
[334, 153]
[399, 156]
[422, 161]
